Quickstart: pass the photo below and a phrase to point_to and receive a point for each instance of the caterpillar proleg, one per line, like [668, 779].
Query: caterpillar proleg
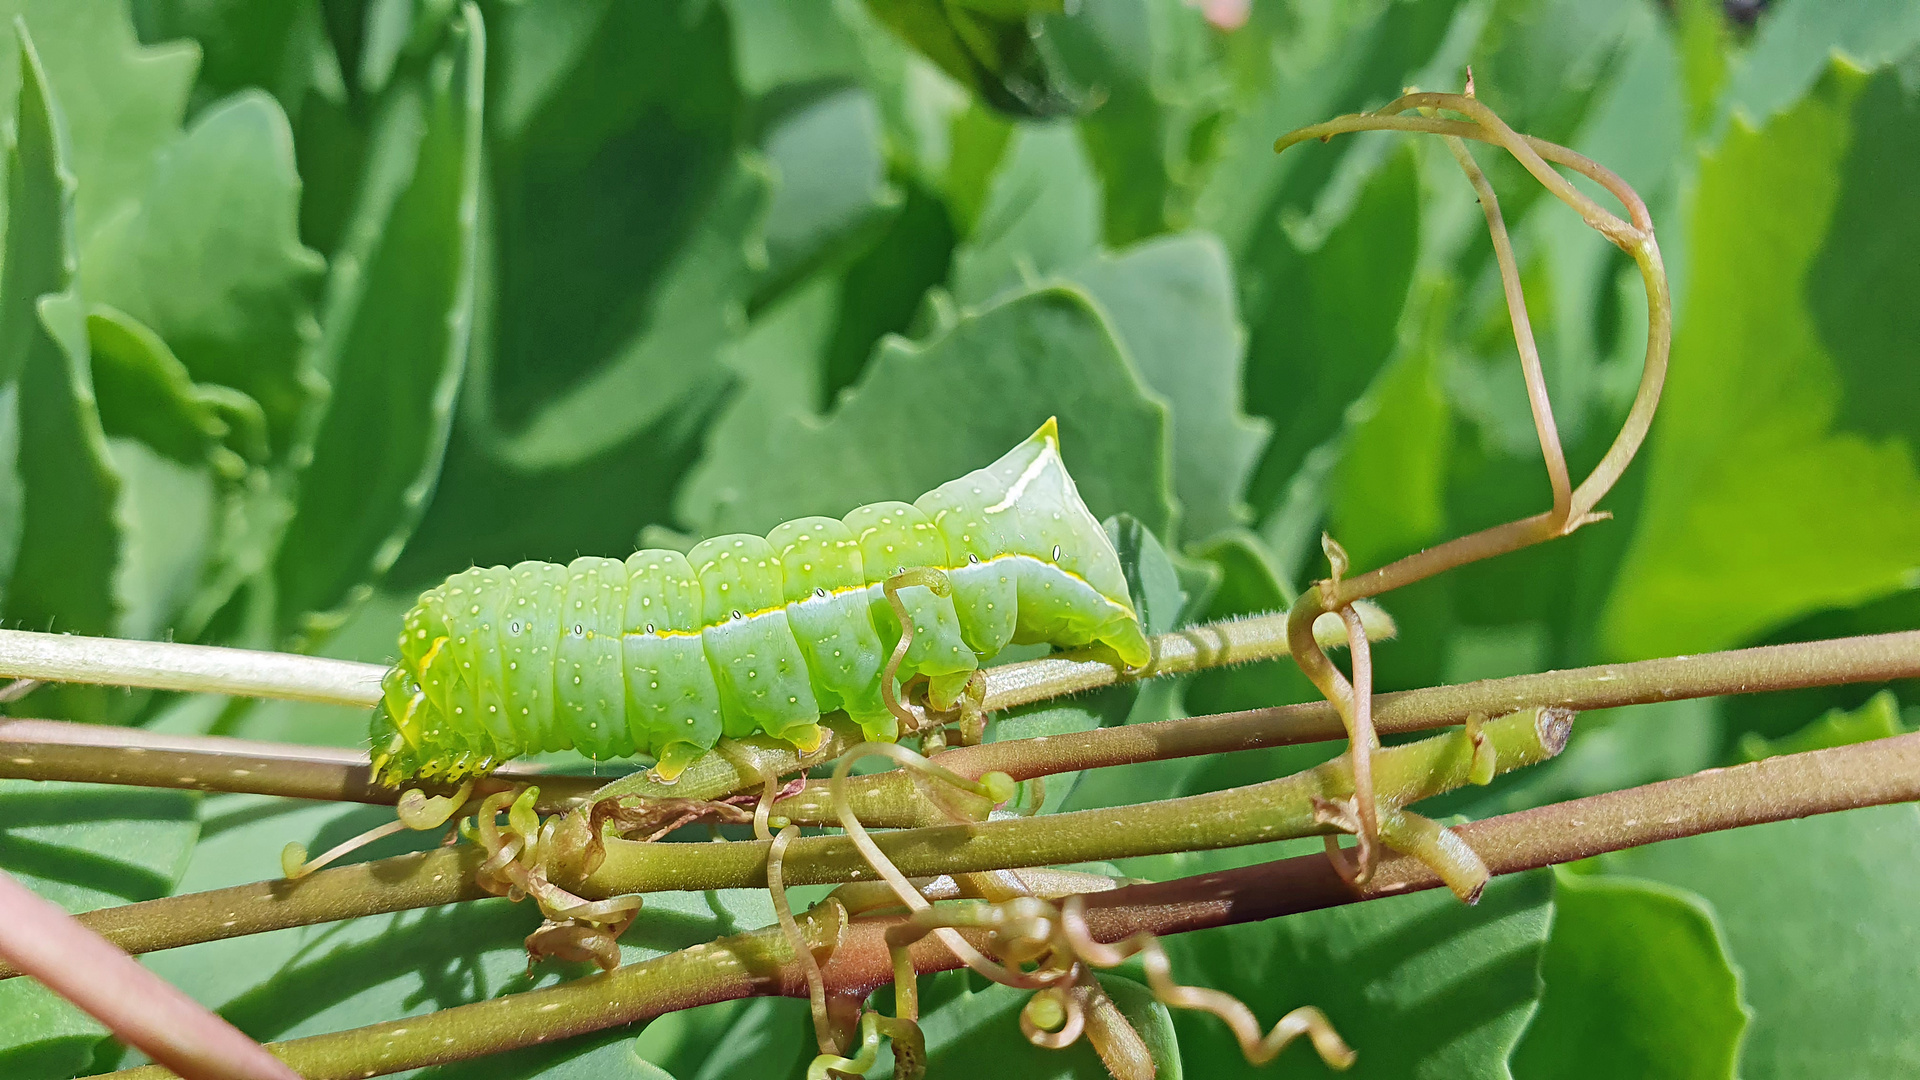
[663, 653]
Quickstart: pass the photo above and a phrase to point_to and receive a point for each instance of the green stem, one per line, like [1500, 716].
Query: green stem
[1796, 785]
[1868, 659]
[412, 881]
[1273, 810]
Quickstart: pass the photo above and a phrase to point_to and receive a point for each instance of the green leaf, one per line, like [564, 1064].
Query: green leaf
[211, 259]
[970, 1029]
[1149, 60]
[1390, 486]
[999, 48]
[1879, 718]
[242, 44]
[1041, 215]
[768, 1037]
[1329, 320]
[1818, 914]
[1778, 482]
[1171, 304]
[1293, 72]
[1420, 986]
[1798, 41]
[169, 513]
[885, 287]
[145, 392]
[1638, 983]
[830, 178]
[696, 308]
[83, 846]
[398, 329]
[623, 242]
[70, 534]
[124, 100]
[780, 45]
[926, 413]
[1251, 584]
[538, 42]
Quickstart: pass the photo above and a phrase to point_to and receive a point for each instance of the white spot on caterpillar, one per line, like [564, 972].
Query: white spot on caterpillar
[1056, 553]
[972, 559]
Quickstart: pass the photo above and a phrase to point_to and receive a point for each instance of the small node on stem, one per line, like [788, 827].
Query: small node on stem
[1336, 557]
[1330, 630]
[1485, 758]
[999, 787]
[1053, 1018]
[1046, 1010]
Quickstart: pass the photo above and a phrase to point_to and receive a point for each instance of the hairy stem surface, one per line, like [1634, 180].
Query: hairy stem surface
[1796, 785]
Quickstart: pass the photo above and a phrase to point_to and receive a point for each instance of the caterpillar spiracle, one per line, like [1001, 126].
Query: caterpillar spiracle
[663, 653]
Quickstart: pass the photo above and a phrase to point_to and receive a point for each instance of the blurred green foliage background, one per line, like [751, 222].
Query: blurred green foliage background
[307, 304]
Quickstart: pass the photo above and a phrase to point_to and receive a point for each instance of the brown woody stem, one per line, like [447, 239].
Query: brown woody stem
[1274, 810]
[1797, 785]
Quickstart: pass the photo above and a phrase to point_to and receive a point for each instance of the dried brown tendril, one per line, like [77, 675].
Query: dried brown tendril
[516, 867]
[1572, 506]
[1028, 929]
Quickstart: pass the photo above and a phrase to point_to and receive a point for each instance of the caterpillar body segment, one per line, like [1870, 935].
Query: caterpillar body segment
[663, 653]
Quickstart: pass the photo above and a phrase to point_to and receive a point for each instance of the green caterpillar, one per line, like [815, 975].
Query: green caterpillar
[664, 653]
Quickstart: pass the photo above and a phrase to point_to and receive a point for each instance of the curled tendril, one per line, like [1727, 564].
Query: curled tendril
[802, 953]
[903, 890]
[1258, 1050]
[1573, 506]
[516, 867]
[414, 810]
[1027, 929]
[909, 1050]
[933, 581]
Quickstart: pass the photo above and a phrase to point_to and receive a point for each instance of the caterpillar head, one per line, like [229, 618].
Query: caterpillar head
[401, 738]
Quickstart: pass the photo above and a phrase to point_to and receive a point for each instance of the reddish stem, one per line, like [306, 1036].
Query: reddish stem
[143, 1009]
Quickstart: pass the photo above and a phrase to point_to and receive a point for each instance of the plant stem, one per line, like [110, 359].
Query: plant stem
[162, 665]
[98, 754]
[445, 876]
[1797, 785]
[55, 750]
[1273, 810]
[135, 1004]
[166, 665]
[1868, 659]
[1776, 789]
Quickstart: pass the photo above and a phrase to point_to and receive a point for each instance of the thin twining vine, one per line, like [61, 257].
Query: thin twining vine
[1272, 810]
[1572, 507]
[857, 957]
[446, 875]
[587, 885]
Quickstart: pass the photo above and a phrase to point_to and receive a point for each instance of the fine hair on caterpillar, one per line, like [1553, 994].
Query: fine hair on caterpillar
[665, 653]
